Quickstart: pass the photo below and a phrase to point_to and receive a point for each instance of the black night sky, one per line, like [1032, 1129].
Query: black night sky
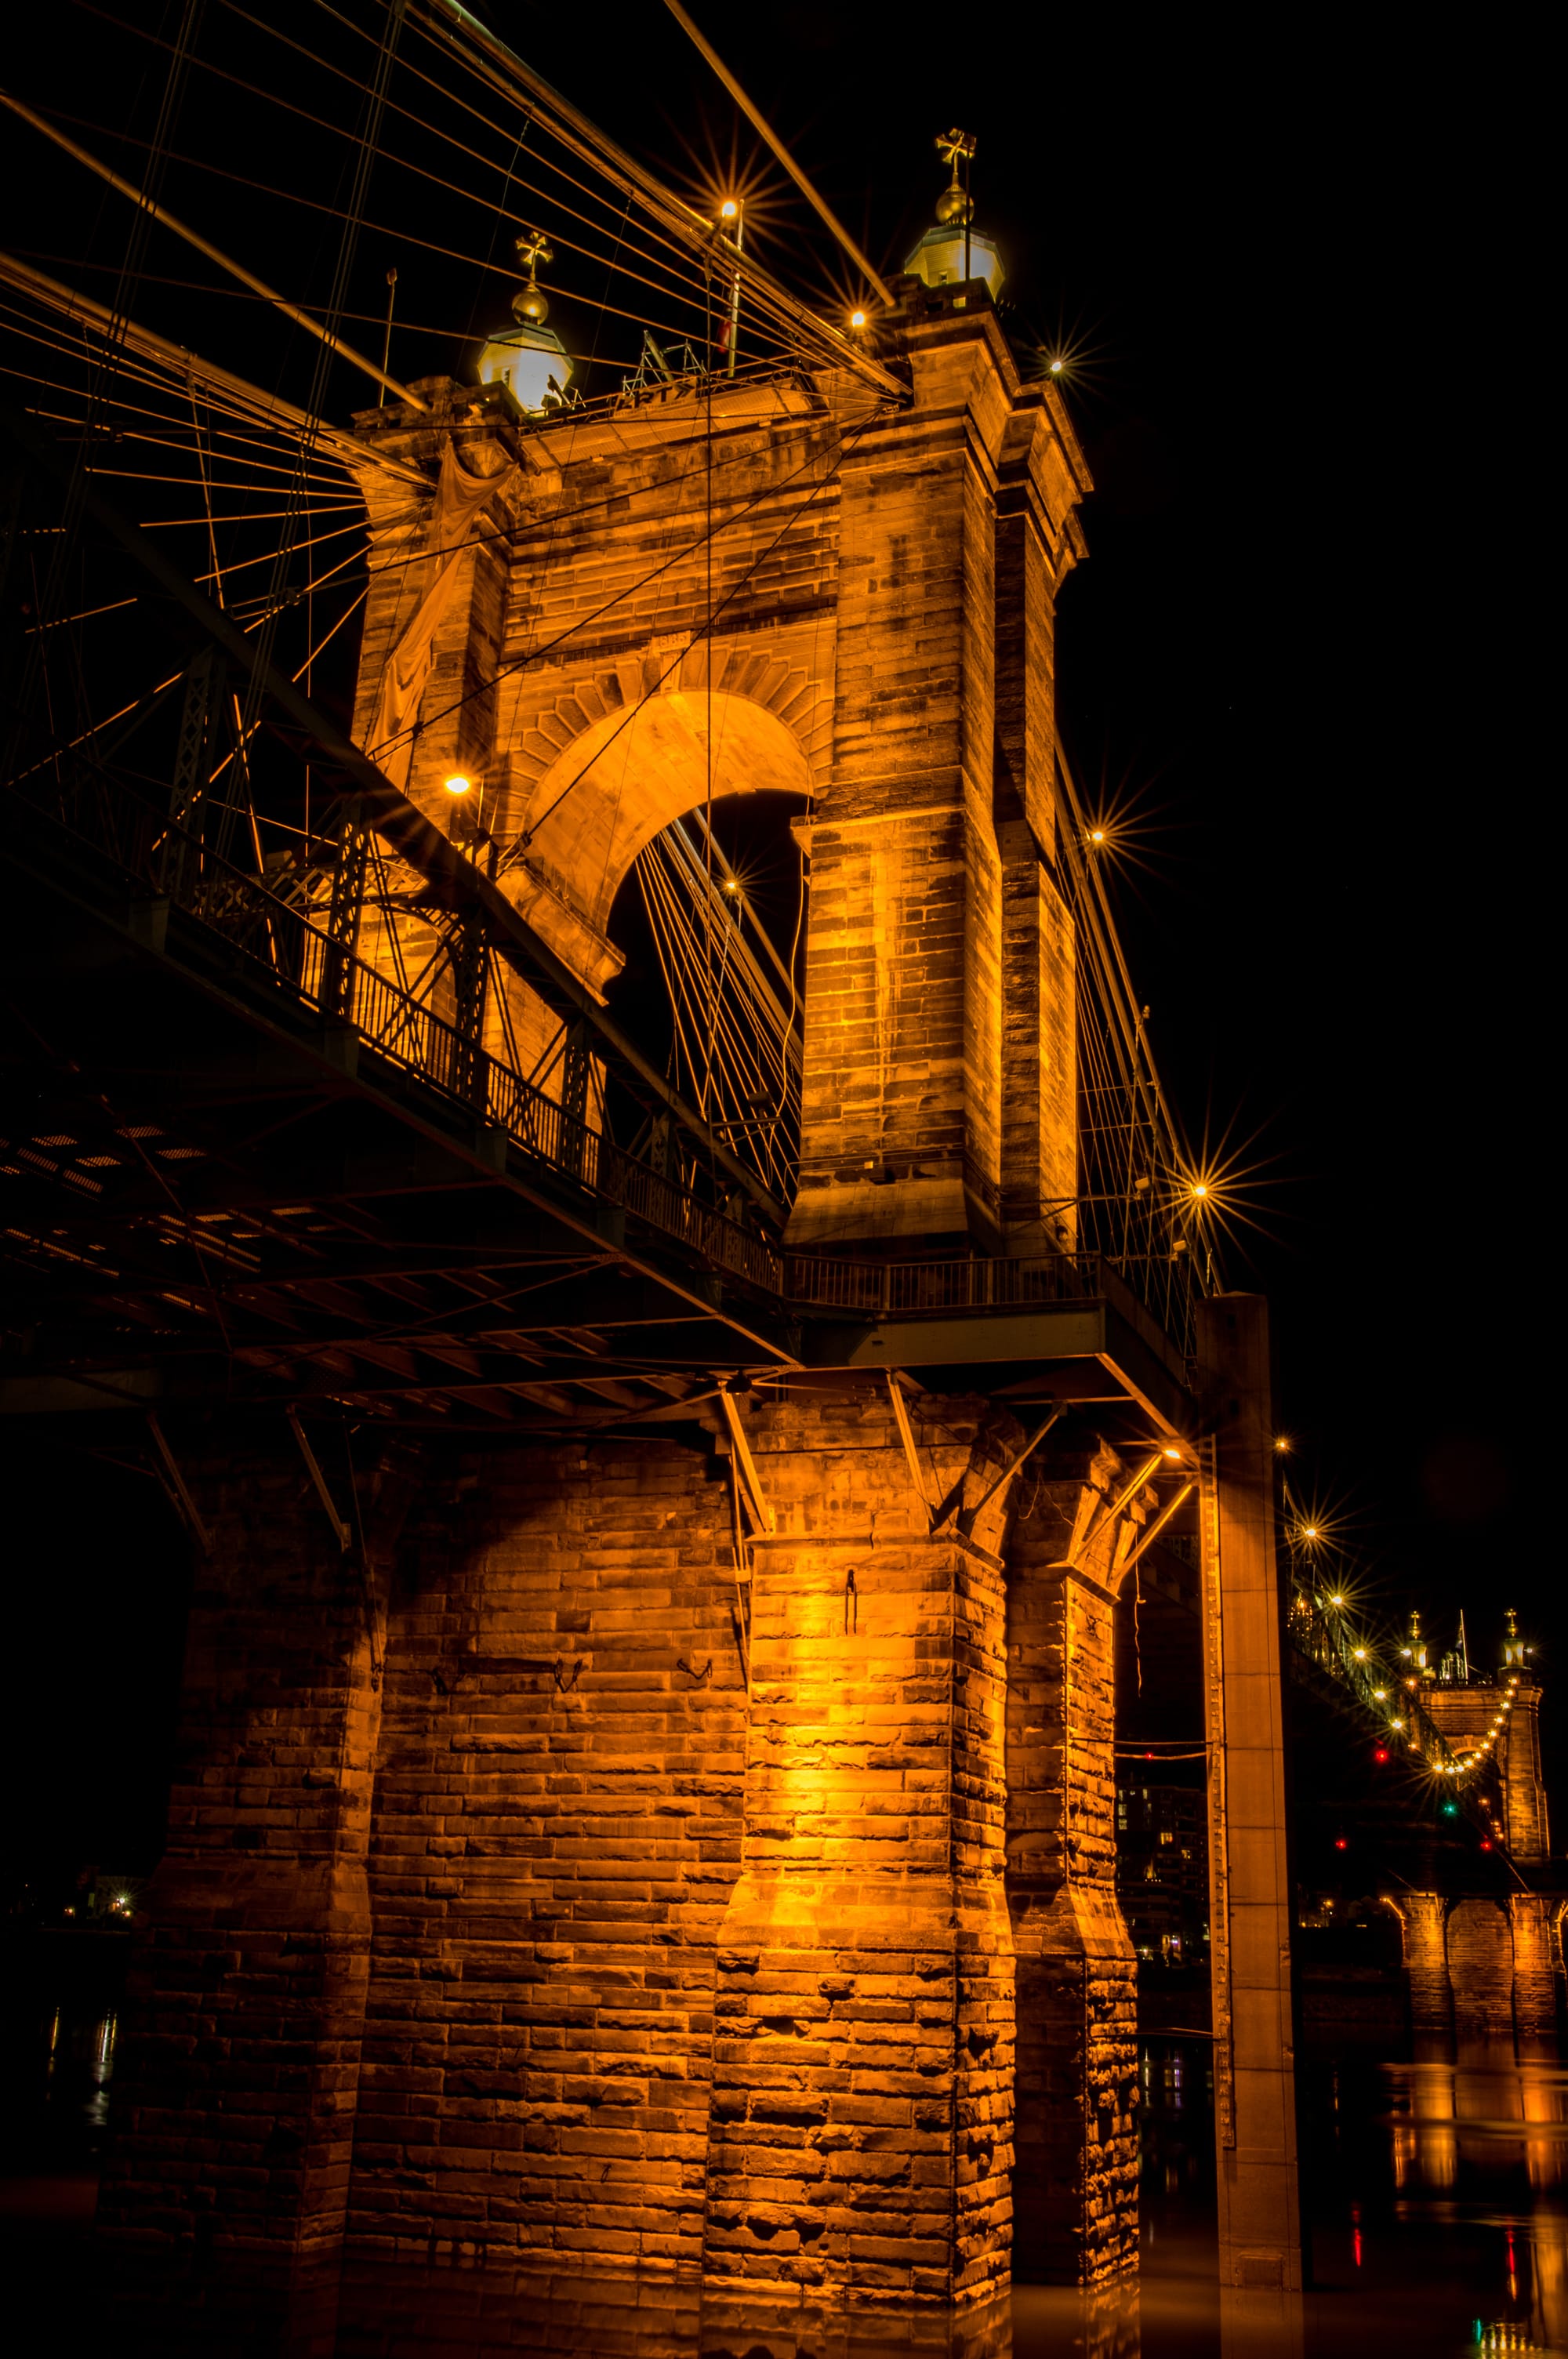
[1290, 260]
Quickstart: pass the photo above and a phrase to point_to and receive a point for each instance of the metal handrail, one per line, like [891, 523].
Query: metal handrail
[956, 1283]
[277, 937]
[283, 941]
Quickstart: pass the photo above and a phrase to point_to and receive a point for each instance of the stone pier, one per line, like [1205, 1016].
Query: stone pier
[1422, 1918]
[546, 1883]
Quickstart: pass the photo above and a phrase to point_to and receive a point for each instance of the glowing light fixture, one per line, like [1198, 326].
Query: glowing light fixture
[1281, 1442]
[1338, 1597]
[857, 318]
[1359, 1653]
[728, 209]
[458, 785]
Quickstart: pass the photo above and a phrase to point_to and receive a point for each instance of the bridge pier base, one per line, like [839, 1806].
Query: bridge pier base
[1075, 2185]
[236, 2083]
[1535, 1981]
[575, 1898]
[860, 2134]
[1423, 1917]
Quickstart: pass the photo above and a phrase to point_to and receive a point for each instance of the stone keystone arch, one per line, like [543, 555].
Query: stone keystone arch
[630, 769]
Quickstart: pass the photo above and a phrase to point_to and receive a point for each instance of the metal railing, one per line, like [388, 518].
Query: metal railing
[903, 1289]
[907, 1290]
[282, 940]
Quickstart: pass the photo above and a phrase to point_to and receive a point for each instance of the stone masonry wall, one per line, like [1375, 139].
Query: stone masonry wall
[557, 1829]
[503, 1916]
[862, 2118]
[1075, 2187]
[236, 2083]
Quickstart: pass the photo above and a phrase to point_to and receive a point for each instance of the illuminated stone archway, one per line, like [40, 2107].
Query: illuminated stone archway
[581, 819]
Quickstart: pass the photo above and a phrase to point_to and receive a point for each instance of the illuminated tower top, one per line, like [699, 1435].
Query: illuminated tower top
[955, 252]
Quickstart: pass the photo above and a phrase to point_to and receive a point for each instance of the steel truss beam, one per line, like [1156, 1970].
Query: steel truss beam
[454, 881]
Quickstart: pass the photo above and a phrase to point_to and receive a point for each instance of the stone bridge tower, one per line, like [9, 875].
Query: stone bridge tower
[691, 1846]
[736, 588]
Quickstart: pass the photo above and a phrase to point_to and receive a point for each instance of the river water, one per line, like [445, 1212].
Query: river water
[1435, 2187]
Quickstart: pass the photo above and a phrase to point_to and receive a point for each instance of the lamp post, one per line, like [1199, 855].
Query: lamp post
[730, 211]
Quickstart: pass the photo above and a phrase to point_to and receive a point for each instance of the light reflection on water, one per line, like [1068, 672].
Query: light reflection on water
[1438, 2190]
[1445, 2173]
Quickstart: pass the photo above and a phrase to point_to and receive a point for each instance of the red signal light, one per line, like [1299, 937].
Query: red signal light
[1381, 1754]
[1340, 1844]
[1486, 1843]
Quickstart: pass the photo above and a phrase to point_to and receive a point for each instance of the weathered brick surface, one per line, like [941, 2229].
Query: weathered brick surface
[1534, 1976]
[238, 2080]
[500, 1918]
[1480, 1970]
[1075, 2188]
[862, 2053]
[1422, 1920]
[557, 1828]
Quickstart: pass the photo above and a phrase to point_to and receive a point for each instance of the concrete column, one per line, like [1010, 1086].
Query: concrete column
[1075, 2184]
[1250, 1899]
[862, 2063]
[1422, 1916]
[235, 2091]
[1535, 1982]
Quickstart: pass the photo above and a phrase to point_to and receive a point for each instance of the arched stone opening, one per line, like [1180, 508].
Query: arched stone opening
[1481, 1970]
[617, 785]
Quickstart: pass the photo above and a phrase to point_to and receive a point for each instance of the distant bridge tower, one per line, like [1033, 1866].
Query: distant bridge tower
[1501, 1711]
[1489, 1966]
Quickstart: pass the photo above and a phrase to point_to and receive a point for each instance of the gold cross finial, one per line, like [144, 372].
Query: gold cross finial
[955, 148]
